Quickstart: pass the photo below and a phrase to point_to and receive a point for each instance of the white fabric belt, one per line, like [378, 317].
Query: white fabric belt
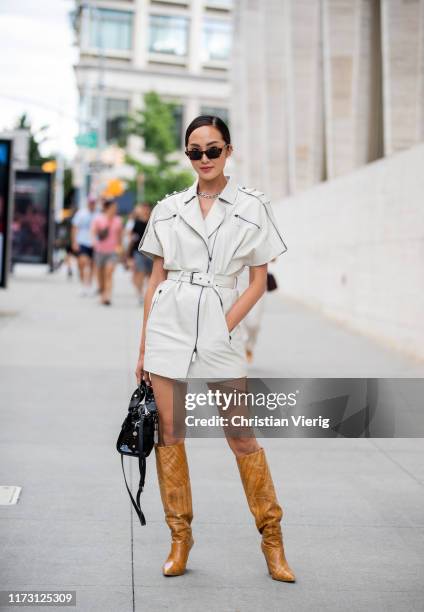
[206, 279]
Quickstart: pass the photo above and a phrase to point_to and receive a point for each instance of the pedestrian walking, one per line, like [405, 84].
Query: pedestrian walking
[65, 236]
[127, 238]
[200, 239]
[141, 264]
[82, 243]
[107, 232]
[253, 319]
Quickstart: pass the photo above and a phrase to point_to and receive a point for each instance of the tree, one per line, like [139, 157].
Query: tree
[155, 123]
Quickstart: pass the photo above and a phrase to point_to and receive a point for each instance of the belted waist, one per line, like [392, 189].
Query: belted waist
[206, 279]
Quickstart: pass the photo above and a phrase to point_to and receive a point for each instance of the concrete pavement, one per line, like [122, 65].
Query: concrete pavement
[353, 519]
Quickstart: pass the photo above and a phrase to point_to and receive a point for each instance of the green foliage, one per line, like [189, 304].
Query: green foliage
[36, 160]
[155, 123]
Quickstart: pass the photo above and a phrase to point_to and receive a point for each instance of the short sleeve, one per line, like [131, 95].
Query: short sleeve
[149, 243]
[267, 243]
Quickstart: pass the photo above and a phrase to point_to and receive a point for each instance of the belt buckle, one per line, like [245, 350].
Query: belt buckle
[202, 282]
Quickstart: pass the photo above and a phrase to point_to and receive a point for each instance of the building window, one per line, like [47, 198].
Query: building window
[116, 116]
[178, 113]
[216, 40]
[220, 4]
[168, 34]
[115, 113]
[222, 113]
[111, 30]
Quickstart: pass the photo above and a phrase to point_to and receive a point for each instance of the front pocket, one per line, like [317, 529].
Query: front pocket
[157, 295]
[227, 332]
[247, 220]
[154, 301]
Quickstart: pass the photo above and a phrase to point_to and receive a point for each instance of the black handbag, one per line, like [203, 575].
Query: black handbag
[271, 283]
[138, 434]
[103, 233]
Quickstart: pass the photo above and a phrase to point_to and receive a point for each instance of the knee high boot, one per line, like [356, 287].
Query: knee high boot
[175, 491]
[263, 504]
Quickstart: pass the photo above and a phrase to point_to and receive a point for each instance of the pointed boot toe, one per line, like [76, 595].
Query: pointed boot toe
[176, 563]
[175, 490]
[278, 568]
[261, 497]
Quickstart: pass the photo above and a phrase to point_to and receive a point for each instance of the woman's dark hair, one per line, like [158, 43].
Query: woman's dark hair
[108, 203]
[209, 120]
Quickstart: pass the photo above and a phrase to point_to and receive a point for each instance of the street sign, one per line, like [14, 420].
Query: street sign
[88, 140]
[98, 166]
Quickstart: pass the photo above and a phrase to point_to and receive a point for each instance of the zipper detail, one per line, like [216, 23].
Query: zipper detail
[213, 246]
[166, 218]
[206, 244]
[269, 217]
[194, 353]
[210, 254]
[247, 220]
[155, 302]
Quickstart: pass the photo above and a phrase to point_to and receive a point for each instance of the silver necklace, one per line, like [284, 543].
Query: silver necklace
[208, 195]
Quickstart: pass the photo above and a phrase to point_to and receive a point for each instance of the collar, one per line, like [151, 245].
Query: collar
[228, 194]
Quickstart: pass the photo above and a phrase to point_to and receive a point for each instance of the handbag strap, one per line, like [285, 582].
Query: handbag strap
[136, 504]
[141, 464]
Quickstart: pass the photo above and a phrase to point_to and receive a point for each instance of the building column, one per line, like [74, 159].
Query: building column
[402, 27]
[141, 34]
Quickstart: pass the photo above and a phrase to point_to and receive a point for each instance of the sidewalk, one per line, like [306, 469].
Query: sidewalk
[353, 519]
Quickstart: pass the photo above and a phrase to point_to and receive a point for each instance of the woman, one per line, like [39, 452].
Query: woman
[200, 239]
[106, 231]
[142, 265]
[83, 244]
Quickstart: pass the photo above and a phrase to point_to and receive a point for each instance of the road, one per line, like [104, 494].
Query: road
[353, 519]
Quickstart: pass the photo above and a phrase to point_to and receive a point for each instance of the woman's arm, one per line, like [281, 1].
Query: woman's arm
[120, 236]
[157, 276]
[249, 297]
[74, 242]
[93, 229]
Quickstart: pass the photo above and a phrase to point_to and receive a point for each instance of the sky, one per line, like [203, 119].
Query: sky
[36, 73]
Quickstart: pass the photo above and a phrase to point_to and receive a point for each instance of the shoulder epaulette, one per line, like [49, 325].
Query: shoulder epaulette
[168, 195]
[260, 195]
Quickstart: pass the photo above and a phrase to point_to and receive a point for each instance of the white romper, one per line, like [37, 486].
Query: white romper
[186, 332]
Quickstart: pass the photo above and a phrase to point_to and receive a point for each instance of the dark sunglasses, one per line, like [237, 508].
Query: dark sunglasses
[211, 153]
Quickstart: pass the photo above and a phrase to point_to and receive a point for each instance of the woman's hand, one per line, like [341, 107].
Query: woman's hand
[140, 372]
[249, 297]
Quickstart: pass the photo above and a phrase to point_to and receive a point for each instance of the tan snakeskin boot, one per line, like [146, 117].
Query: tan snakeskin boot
[262, 500]
[175, 491]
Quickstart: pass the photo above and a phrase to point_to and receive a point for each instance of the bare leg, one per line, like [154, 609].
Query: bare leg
[107, 289]
[173, 477]
[101, 278]
[80, 261]
[138, 280]
[163, 390]
[241, 440]
[84, 267]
